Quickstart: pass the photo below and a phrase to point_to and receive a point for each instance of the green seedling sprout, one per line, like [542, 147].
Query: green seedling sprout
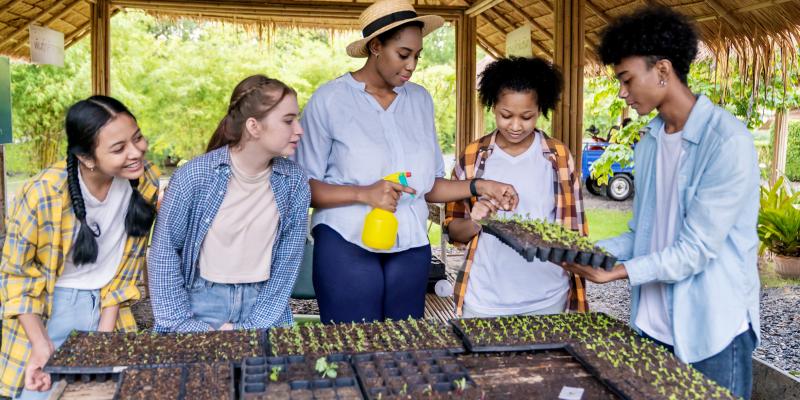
[274, 372]
[326, 369]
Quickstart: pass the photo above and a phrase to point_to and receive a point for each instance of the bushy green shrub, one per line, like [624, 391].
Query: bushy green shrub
[793, 153]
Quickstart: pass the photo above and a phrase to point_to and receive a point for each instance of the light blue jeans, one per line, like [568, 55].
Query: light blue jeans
[219, 303]
[73, 309]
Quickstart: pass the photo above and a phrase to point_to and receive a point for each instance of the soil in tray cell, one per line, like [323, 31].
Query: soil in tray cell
[295, 377]
[209, 381]
[532, 375]
[420, 374]
[151, 384]
[96, 349]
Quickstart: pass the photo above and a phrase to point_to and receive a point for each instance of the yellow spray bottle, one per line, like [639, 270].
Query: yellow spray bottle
[380, 226]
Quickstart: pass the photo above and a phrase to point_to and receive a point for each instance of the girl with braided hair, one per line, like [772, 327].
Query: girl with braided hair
[231, 229]
[76, 243]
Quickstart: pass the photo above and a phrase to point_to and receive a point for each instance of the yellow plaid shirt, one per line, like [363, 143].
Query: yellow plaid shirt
[40, 232]
[569, 206]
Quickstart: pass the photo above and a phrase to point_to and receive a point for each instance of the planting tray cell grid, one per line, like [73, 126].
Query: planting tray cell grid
[120, 352]
[474, 348]
[554, 253]
[397, 374]
[194, 381]
[295, 376]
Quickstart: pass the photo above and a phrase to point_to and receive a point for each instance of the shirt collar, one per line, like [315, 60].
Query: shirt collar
[221, 160]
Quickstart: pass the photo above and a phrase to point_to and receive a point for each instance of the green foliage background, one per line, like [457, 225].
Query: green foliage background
[177, 78]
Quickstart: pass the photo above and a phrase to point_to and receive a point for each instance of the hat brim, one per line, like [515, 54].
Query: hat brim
[430, 23]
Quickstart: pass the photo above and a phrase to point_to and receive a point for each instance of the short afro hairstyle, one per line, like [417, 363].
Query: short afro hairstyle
[653, 32]
[519, 74]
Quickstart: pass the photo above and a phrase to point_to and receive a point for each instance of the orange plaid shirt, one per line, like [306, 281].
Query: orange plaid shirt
[569, 206]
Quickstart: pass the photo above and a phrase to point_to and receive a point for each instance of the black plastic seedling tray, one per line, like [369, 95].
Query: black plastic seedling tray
[418, 371]
[553, 254]
[474, 348]
[256, 383]
[104, 373]
[183, 370]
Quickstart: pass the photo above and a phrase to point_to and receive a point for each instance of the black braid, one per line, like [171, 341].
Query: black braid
[84, 249]
[140, 214]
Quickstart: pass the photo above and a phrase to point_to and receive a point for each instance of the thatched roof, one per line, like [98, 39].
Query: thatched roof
[744, 27]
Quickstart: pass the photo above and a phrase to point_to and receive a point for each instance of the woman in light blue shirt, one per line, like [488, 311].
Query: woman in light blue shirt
[361, 127]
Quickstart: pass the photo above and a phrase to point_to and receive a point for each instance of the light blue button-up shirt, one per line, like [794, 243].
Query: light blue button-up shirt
[351, 140]
[710, 270]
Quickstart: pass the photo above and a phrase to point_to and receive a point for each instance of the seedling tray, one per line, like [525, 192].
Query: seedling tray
[415, 373]
[143, 382]
[297, 378]
[475, 348]
[123, 359]
[552, 253]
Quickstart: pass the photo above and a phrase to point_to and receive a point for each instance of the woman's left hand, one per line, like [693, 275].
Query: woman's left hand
[503, 194]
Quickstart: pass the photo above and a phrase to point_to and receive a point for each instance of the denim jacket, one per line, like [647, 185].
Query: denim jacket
[710, 269]
[190, 204]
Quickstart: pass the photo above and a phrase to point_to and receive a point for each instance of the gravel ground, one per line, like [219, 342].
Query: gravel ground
[780, 319]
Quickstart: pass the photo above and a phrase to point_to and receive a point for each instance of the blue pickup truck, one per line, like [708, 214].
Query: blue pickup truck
[620, 185]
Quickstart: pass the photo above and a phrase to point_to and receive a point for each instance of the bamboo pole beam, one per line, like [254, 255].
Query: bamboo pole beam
[276, 8]
[780, 138]
[466, 64]
[52, 19]
[529, 18]
[534, 43]
[9, 6]
[569, 56]
[482, 6]
[100, 12]
[77, 34]
[758, 6]
[720, 9]
[36, 18]
[489, 48]
[598, 12]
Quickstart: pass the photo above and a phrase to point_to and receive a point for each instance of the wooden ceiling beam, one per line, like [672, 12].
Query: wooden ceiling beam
[9, 6]
[529, 18]
[489, 48]
[278, 8]
[598, 12]
[61, 14]
[481, 6]
[48, 11]
[511, 26]
[724, 13]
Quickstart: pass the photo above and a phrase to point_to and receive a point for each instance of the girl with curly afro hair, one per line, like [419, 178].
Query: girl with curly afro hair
[496, 280]
[690, 255]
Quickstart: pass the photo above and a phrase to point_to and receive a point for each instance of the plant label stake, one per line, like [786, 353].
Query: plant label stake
[570, 393]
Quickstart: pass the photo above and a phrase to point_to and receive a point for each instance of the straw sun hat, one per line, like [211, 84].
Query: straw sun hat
[384, 15]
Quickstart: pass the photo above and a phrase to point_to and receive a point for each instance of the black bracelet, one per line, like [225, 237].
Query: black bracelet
[472, 189]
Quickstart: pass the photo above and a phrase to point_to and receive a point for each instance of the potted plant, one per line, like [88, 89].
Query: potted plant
[779, 227]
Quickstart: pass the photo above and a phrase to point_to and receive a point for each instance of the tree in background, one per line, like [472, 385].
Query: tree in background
[41, 95]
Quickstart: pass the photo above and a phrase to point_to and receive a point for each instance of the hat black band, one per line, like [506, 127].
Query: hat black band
[386, 20]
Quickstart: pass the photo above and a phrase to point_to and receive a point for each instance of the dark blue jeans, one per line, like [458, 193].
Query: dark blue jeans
[731, 368]
[353, 284]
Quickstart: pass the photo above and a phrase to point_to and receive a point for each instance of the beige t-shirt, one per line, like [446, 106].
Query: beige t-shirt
[238, 246]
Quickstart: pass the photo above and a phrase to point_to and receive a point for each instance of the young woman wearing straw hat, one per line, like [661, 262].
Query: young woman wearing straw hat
[361, 127]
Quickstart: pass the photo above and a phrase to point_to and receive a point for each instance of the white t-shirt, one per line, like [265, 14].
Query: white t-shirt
[501, 281]
[109, 217]
[653, 317]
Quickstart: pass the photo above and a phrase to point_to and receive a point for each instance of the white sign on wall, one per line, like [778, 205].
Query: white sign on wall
[47, 46]
[518, 42]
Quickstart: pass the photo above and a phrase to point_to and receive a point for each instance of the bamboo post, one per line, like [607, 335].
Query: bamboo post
[780, 139]
[569, 40]
[466, 105]
[100, 26]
